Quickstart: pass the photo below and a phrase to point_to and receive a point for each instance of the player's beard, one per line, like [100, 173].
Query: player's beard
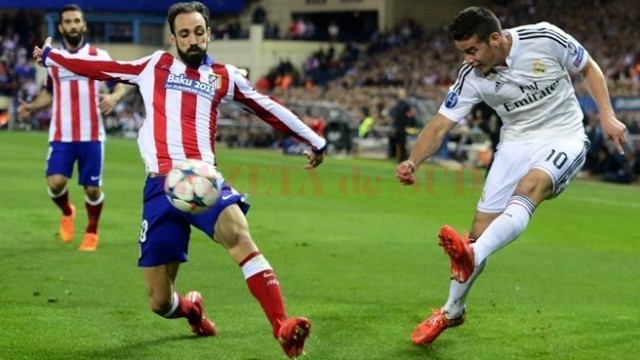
[73, 39]
[193, 56]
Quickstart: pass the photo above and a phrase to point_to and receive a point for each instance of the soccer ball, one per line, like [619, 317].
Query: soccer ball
[193, 186]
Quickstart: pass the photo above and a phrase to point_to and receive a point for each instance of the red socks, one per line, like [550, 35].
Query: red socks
[61, 200]
[262, 284]
[94, 208]
[265, 288]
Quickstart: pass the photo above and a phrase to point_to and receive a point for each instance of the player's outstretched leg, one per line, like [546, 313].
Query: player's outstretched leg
[429, 330]
[292, 335]
[291, 332]
[66, 225]
[460, 252]
[200, 325]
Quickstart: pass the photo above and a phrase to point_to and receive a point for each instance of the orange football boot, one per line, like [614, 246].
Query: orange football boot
[428, 330]
[89, 242]
[66, 225]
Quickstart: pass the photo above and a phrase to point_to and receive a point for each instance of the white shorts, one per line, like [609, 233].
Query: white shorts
[560, 159]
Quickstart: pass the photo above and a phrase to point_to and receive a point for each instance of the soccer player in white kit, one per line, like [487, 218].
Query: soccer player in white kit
[181, 95]
[524, 74]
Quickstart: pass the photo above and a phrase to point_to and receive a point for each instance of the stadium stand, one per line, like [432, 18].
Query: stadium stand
[409, 55]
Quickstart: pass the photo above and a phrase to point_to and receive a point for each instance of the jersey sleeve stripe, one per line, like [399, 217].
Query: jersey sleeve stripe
[564, 44]
[549, 33]
[265, 115]
[542, 30]
[462, 74]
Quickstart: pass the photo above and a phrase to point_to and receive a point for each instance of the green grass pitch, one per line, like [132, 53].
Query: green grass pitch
[353, 250]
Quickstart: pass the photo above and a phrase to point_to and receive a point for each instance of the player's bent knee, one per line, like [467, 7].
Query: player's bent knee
[56, 185]
[240, 245]
[92, 192]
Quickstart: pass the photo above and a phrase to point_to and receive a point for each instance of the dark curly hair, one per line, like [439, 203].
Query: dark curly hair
[69, 7]
[475, 21]
[185, 8]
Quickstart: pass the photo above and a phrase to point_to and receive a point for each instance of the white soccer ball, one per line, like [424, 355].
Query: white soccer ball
[193, 186]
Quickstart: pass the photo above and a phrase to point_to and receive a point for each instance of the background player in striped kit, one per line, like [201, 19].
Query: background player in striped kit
[523, 74]
[76, 132]
[181, 96]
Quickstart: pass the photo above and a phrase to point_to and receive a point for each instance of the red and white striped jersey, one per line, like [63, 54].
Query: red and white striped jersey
[181, 103]
[75, 114]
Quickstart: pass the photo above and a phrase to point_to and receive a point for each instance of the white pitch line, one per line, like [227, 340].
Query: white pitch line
[628, 204]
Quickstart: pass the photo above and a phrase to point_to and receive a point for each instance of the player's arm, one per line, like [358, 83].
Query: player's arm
[88, 66]
[575, 58]
[272, 111]
[462, 96]
[427, 143]
[612, 128]
[109, 101]
[25, 110]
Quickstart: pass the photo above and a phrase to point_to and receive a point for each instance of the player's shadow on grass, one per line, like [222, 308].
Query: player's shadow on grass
[138, 349]
[431, 352]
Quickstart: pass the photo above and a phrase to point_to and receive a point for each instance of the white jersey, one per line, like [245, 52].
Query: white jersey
[181, 104]
[533, 94]
[75, 114]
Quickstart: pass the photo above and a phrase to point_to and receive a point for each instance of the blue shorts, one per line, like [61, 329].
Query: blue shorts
[165, 230]
[88, 154]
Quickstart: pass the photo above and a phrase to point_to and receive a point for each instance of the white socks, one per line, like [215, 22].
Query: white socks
[502, 231]
[458, 294]
[505, 228]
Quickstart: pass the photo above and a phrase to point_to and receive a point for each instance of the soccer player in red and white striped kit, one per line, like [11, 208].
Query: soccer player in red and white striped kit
[181, 97]
[76, 131]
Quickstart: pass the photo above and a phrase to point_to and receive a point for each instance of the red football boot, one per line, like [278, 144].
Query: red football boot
[292, 335]
[460, 252]
[429, 330]
[203, 326]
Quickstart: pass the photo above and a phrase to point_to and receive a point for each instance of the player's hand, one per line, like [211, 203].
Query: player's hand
[616, 131]
[24, 110]
[37, 52]
[405, 172]
[315, 157]
[107, 103]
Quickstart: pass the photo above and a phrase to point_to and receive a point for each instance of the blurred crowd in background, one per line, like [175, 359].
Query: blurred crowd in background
[381, 89]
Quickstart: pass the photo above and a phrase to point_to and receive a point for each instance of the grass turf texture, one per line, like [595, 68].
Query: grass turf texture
[353, 250]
